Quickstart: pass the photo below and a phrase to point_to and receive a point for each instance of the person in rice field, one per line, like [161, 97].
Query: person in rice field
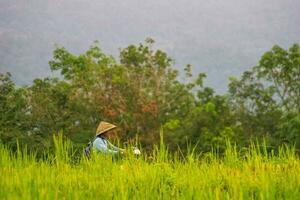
[106, 131]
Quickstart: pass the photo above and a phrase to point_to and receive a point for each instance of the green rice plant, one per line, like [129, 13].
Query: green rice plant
[254, 174]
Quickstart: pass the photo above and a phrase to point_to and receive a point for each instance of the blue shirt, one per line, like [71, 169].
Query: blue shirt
[104, 146]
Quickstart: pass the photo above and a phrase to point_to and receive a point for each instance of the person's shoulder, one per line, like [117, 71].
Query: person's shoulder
[98, 139]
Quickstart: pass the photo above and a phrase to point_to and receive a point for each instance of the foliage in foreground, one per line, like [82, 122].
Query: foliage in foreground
[252, 174]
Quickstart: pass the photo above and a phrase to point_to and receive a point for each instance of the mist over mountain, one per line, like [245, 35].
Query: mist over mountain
[220, 38]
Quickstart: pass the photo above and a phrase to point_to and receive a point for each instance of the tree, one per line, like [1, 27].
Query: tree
[140, 93]
[12, 111]
[268, 95]
[7, 87]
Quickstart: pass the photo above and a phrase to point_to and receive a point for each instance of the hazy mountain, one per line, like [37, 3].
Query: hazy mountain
[221, 38]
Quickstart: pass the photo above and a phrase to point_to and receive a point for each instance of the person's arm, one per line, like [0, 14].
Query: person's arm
[110, 145]
[101, 146]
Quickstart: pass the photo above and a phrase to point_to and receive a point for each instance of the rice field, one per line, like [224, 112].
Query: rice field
[254, 174]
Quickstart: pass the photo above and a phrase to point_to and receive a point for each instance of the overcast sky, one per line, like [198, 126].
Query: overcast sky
[219, 37]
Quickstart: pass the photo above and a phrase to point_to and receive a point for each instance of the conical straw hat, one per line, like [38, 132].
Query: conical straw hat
[104, 127]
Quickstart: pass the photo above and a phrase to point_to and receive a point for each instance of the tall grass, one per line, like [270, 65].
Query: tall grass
[255, 174]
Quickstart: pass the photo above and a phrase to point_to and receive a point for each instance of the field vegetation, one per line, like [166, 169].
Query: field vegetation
[254, 173]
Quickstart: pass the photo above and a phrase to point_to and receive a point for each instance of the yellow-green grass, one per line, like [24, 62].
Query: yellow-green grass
[253, 175]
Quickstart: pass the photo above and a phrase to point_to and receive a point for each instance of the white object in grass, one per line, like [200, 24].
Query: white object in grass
[136, 151]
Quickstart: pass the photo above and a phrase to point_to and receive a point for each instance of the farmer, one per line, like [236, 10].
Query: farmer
[104, 132]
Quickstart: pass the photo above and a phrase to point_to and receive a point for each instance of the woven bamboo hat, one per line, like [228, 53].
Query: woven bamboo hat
[104, 127]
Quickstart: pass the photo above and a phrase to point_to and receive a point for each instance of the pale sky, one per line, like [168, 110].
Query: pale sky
[219, 37]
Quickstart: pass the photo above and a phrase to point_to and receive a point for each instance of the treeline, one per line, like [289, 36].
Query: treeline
[142, 92]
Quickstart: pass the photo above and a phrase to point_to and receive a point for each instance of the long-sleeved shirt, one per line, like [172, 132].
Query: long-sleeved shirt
[104, 146]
